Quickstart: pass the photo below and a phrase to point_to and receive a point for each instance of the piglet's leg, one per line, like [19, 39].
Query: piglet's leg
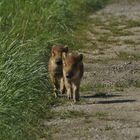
[62, 86]
[76, 95]
[56, 87]
[69, 89]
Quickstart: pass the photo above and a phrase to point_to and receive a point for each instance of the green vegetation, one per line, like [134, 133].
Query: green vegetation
[131, 42]
[73, 114]
[133, 23]
[86, 87]
[108, 128]
[70, 114]
[101, 115]
[128, 56]
[137, 83]
[98, 87]
[27, 30]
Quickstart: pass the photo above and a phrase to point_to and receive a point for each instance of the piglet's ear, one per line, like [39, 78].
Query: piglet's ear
[64, 55]
[52, 51]
[65, 49]
[81, 57]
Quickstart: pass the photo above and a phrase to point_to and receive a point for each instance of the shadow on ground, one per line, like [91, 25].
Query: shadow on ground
[115, 101]
[100, 95]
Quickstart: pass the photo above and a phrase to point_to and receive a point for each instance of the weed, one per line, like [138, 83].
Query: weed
[70, 114]
[131, 42]
[78, 114]
[107, 128]
[120, 85]
[133, 23]
[137, 84]
[101, 115]
[86, 87]
[103, 38]
[124, 55]
[128, 56]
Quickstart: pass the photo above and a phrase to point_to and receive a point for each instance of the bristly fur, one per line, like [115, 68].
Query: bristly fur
[73, 70]
[55, 70]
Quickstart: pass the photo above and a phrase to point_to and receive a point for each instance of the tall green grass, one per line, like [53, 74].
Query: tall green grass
[28, 28]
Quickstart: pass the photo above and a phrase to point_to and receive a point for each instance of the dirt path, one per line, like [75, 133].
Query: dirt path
[110, 92]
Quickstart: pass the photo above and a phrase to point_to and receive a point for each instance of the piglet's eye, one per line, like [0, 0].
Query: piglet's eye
[75, 65]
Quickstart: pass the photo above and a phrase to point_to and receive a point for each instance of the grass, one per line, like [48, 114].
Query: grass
[116, 29]
[101, 114]
[137, 83]
[108, 128]
[86, 87]
[124, 55]
[133, 23]
[73, 114]
[28, 29]
[121, 84]
[97, 87]
[119, 88]
[128, 56]
[103, 38]
[67, 114]
[121, 32]
[131, 42]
